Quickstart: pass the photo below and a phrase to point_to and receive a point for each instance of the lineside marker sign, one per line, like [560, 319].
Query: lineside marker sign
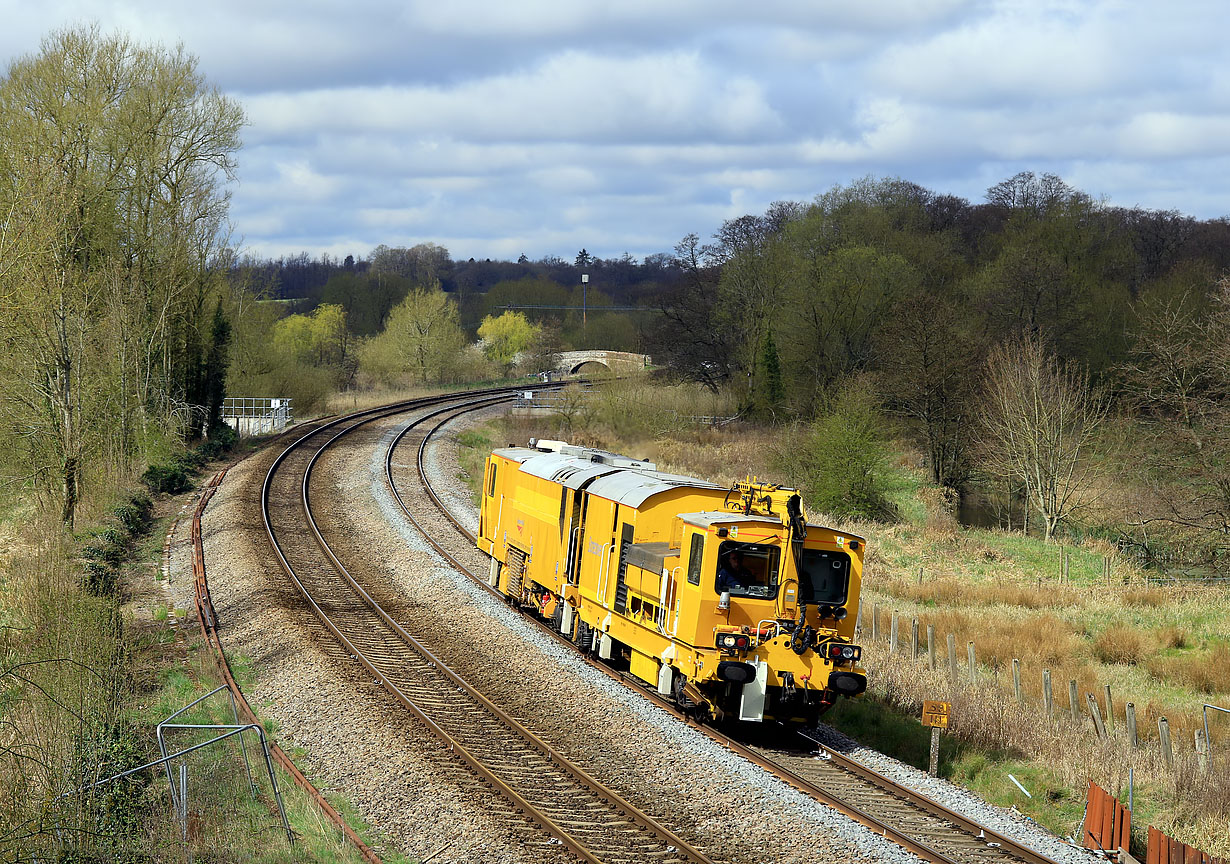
[936, 714]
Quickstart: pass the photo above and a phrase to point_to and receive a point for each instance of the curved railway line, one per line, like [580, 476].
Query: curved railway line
[591, 821]
[928, 829]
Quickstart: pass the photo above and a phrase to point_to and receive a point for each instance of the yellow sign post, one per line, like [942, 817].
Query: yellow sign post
[935, 715]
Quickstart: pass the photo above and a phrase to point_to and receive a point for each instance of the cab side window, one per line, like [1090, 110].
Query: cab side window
[695, 554]
[491, 482]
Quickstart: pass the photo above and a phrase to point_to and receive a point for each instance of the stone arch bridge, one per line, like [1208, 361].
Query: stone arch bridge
[571, 362]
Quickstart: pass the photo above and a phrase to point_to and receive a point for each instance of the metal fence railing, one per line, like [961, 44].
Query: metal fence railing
[257, 415]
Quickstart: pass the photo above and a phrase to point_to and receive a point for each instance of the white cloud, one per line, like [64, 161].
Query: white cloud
[548, 125]
[572, 96]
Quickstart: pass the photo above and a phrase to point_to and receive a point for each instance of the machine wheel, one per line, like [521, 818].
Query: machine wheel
[681, 698]
[585, 636]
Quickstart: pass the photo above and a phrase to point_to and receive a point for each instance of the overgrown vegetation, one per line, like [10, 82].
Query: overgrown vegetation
[117, 327]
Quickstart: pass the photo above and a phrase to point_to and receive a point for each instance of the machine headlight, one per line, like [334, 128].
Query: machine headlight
[733, 641]
[837, 651]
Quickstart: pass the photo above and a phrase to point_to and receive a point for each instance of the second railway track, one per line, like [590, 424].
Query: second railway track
[924, 827]
[593, 822]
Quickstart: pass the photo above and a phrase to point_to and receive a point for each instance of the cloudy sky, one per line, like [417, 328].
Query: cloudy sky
[544, 126]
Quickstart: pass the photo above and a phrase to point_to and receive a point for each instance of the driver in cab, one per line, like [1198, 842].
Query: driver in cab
[733, 574]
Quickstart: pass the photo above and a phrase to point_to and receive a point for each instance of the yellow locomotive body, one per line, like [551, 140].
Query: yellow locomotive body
[625, 560]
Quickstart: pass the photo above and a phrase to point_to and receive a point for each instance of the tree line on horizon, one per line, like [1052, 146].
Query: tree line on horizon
[913, 294]
[1011, 340]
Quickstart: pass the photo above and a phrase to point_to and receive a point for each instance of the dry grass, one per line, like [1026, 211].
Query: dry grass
[358, 400]
[1146, 597]
[1122, 644]
[1173, 637]
[1207, 672]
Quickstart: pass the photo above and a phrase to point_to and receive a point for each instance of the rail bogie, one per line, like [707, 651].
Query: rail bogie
[634, 565]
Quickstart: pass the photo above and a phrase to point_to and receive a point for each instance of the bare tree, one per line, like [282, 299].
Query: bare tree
[1038, 420]
[924, 356]
[1179, 377]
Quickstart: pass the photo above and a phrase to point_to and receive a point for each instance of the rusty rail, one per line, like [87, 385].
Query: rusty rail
[208, 619]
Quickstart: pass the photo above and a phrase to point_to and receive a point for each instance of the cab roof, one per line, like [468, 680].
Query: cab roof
[708, 518]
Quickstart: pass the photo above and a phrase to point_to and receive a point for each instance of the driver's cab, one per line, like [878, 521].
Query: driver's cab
[773, 580]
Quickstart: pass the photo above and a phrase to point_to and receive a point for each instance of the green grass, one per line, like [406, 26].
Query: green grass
[904, 485]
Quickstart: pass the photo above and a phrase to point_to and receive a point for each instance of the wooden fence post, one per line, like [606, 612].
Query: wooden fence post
[914, 640]
[1096, 714]
[892, 634]
[1072, 700]
[875, 622]
[1163, 737]
[1202, 750]
[1129, 711]
[1110, 712]
[952, 657]
[1048, 697]
[973, 663]
[931, 645]
[1016, 679]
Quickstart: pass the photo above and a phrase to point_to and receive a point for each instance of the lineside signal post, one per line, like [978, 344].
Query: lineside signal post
[935, 715]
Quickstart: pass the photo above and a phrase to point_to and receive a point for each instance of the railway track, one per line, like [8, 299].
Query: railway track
[591, 821]
[928, 829]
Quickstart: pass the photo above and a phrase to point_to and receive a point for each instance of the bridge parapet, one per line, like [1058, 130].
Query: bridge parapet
[616, 361]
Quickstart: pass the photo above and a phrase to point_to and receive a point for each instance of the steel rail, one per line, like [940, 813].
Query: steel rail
[992, 838]
[577, 847]
[207, 619]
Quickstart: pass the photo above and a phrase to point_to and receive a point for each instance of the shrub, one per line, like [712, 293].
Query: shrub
[135, 513]
[842, 459]
[172, 479]
[1121, 644]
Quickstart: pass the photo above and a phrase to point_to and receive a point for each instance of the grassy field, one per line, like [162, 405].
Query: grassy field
[1166, 650]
